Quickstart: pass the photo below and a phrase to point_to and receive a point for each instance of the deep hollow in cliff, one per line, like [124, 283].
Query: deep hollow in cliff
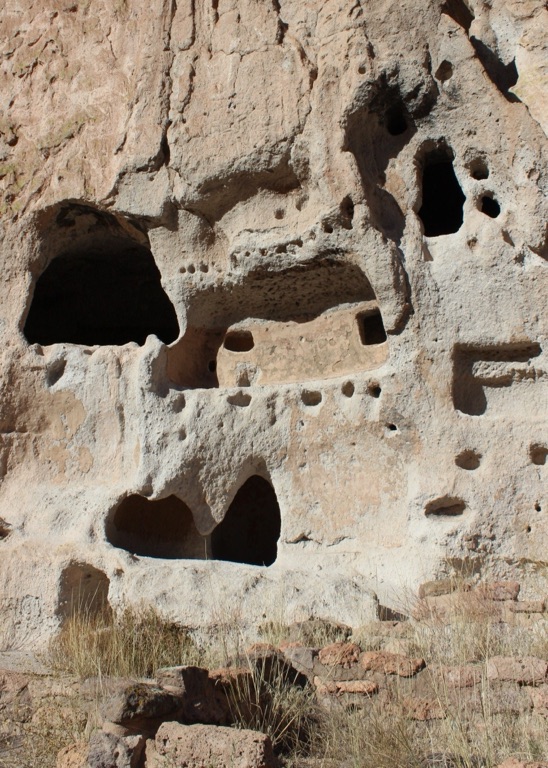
[101, 290]
[251, 527]
[159, 528]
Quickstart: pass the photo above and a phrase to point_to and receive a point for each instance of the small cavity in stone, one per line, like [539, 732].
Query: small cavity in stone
[347, 389]
[468, 459]
[311, 397]
[447, 506]
[445, 71]
[490, 206]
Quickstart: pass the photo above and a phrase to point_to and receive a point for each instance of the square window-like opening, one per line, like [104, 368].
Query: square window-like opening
[371, 328]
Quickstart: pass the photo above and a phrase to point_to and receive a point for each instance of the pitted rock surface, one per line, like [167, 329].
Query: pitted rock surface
[273, 306]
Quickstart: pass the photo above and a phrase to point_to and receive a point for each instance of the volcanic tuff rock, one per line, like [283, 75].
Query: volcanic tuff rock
[273, 294]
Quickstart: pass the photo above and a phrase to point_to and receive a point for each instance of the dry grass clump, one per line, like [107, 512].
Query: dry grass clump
[133, 643]
[270, 703]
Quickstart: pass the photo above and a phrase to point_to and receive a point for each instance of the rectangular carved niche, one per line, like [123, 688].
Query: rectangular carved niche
[480, 370]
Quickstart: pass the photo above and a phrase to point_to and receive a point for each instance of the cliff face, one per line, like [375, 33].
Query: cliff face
[274, 289]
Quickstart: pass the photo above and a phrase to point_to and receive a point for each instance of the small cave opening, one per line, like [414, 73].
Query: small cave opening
[479, 169]
[371, 328]
[468, 459]
[239, 341]
[103, 288]
[83, 590]
[395, 120]
[538, 454]
[444, 72]
[445, 507]
[490, 207]
[251, 528]
[162, 528]
[311, 397]
[442, 197]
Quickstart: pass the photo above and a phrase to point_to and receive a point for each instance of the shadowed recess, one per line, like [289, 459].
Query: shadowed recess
[442, 197]
[160, 528]
[102, 292]
[83, 590]
[251, 527]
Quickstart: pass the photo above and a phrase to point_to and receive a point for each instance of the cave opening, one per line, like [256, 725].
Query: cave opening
[103, 290]
[239, 341]
[442, 197]
[371, 328]
[251, 528]
[161, 528]
[490, 207]
[83, 590]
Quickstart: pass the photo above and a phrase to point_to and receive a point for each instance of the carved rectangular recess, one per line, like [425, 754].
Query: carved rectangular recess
[477, 369]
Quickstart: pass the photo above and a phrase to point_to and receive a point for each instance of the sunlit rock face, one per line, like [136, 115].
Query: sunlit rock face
[273, 309]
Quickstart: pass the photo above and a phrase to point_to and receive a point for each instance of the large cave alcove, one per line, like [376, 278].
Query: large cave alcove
[101, 286]
[250, 530]
[160, 528]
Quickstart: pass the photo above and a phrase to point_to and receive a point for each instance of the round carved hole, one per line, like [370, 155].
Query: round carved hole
[311, 397]
[374, 390]
[347, 389]
[468, 459]
[479, 169]
[239, 341]
[445, 71]
[490, 207]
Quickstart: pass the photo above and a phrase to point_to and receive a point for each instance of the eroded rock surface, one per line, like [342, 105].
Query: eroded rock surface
[274, 287]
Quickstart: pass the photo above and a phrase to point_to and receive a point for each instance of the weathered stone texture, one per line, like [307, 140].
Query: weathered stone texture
[274, 289]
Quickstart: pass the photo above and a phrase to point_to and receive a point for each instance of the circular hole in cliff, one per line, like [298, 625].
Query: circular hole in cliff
[348, 389]
[239, 341]
[479, 169]
[391, 429]
[327, 227]
[251, 528]
[538, 507]
[374, 390]
[489, 206]
[191, 269]
[83, 589]
[528, 529]
[444, 72]
[279, 213]
[311, 397]
[155, 528]
[538, 454]
[468, 459]
[102, 287]
[446, 506]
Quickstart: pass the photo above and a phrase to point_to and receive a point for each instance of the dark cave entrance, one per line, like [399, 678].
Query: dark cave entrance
[251, 527]
[159, 528]
[102, 291]
[442, 197]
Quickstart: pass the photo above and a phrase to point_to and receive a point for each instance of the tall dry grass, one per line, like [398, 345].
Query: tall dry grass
[133, 643]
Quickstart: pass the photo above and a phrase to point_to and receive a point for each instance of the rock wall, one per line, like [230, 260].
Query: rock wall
[274, 281]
